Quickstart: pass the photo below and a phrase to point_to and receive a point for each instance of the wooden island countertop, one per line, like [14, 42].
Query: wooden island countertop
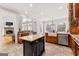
[31, 37]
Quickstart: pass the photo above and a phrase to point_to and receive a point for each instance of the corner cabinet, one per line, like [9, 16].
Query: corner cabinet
[34, 48]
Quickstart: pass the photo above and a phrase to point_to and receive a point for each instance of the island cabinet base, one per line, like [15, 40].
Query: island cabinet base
[34, 48]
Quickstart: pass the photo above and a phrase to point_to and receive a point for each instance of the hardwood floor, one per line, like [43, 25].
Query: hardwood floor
[50, 50]
[57, 50]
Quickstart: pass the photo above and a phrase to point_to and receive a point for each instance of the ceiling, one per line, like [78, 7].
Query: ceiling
[37, 10]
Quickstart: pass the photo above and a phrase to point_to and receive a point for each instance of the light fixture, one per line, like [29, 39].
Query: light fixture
[60, 7]
[31, 5]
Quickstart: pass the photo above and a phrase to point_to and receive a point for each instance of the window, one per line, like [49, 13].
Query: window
[30, 27]
[61, 27]
[51, 28]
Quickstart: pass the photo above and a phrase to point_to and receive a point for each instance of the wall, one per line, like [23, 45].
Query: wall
[9, 16]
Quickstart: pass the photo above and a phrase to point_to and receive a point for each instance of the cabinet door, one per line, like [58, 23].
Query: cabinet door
[52, 39]
[73, 46]
[70, 41]
[41, 45]
[38, 48]
[27, 49]
[77, 10]
[34, 48]
[77, 50]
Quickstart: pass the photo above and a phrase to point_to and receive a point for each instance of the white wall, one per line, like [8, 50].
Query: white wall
[9, 16]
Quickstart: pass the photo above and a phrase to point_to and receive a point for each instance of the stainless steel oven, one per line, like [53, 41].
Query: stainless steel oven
[8, 31]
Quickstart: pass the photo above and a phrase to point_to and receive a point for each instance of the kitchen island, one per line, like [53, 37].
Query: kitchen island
[33, 45]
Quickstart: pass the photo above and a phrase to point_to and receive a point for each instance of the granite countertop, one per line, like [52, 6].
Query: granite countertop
[31, 37]
[75, 38]
[63, 33]
[52, 34]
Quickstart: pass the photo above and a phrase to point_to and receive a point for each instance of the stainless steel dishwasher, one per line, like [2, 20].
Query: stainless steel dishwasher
[62, 39]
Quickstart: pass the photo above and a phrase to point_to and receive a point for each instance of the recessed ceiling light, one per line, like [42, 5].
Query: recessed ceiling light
[60, 7]
[31, 5]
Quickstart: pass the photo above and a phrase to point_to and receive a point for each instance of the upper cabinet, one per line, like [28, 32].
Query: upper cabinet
[77, 10]
[74, 18]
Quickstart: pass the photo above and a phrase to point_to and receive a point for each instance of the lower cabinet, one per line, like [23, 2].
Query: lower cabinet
[72, 44]
[51, 39]
[73, 47]
[69, 41]
[77, 49]
[35, 48]
[40, 48]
